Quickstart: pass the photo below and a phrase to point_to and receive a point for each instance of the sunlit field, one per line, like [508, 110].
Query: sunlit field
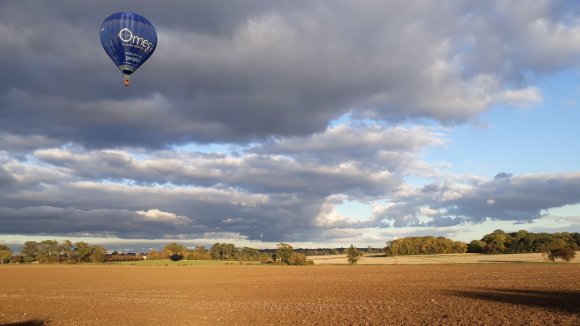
[432, 294]
[378, 259]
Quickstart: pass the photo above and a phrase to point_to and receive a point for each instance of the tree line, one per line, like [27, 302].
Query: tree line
[283, 254]
[424, 246]
[555, 245]
[52, 251]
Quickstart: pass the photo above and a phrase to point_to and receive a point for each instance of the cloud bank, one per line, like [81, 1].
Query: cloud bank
[320, 102]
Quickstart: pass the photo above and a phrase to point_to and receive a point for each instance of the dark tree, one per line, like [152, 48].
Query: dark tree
[565, 254]
[29, 251]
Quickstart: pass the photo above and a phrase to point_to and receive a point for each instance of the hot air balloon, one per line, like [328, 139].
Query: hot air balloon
[129, 39]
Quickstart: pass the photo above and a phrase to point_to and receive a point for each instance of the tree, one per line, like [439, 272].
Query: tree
[523, 241]
[424, 246]
[67, 254]
[476, 246]
[353, 255]
[223, 251]
[497, 242]
[199, 253]
[5, 254]
[153, 254]
[248, 254]
[48, 251]
[98, 254]
[228, 251]
[83, 252]
[284, 252]
[265, 258]
[564, 253]
[29, 251]
[215, 251]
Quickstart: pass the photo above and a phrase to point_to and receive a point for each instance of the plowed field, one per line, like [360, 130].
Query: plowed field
[466, 294]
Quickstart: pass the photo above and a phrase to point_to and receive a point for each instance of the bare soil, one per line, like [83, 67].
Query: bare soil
[454, 294]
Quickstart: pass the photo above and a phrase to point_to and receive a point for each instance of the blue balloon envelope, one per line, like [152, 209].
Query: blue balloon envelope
[129, 39]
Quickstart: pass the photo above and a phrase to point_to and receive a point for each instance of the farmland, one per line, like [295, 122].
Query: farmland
[378, 259]
[467, 294]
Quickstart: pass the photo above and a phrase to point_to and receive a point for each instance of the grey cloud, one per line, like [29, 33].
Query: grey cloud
[6, 179]
[273, 218]
[510, 198]
[257, 173]
[18, 146]
[257, 193]
[81, 153]
[97, 222]
[374, 145]
[238, 73]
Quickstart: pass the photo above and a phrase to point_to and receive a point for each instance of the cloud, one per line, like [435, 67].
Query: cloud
[272, 69]
[505, 197]
[158, 215]
[324, 102]
[272, 191]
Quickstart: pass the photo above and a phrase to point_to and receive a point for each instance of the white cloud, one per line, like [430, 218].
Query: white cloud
[522, 97]
[158, 215]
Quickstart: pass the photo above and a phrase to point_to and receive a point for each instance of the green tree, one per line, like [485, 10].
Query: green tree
[476, 246]
[248, 254]
[67, 252]
[5, 254]
[83, 252]
[223, 251]
[265, 258]
[228, 251]
[284, 252]
[98, 254]
[215, 251]
[199, 253]
[497, 242]
[29, 251]
[48, 251]
[353, 255]
[424, 246]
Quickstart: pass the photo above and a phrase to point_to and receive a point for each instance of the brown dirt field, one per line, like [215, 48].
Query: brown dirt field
[459, 294]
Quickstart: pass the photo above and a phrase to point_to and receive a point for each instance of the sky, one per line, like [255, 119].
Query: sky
[316, 123]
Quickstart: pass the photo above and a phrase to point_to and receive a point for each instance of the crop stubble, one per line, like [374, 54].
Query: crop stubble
[473, 294]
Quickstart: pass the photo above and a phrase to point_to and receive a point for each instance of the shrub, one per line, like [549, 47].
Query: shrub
[353, 255]
[565, 254]
[297, 259]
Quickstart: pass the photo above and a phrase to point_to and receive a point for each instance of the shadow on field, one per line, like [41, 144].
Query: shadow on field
[568, 301]
[27, 323]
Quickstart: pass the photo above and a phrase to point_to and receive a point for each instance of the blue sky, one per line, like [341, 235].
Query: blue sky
[317, 123]
[535, 139]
